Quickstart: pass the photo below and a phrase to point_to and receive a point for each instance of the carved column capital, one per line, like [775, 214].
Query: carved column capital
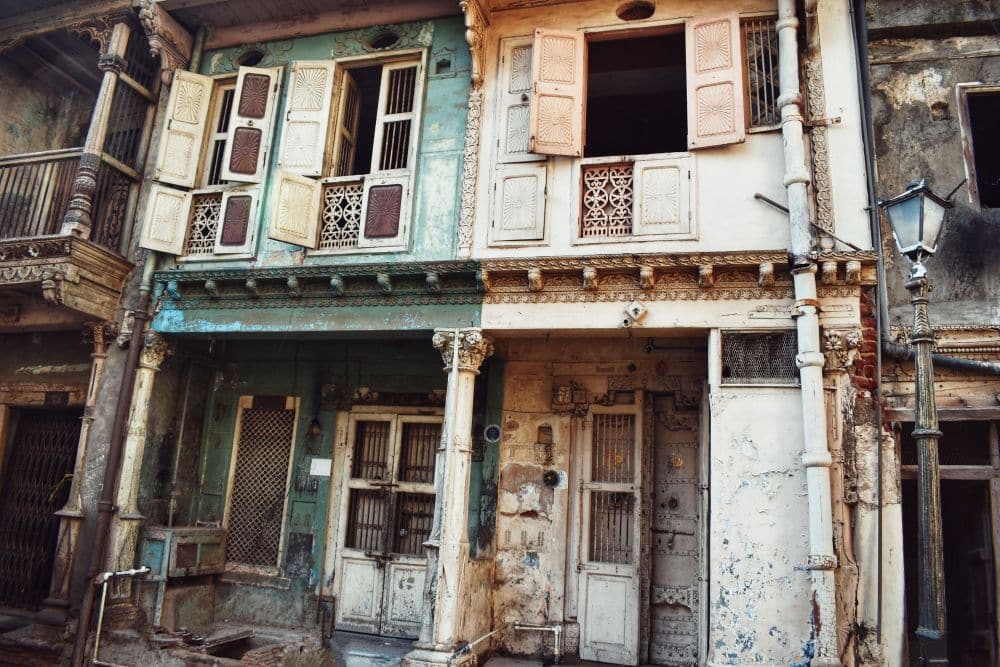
[168, 40]
[99, 334]
[154, 351]
[473, 348]
[840, 346]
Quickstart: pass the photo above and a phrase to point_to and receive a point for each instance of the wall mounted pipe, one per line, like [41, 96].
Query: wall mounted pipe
[816, 458]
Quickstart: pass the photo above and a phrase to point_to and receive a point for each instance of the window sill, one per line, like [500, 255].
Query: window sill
[189, 259]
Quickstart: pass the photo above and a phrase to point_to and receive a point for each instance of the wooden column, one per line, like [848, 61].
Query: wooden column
[79, 219]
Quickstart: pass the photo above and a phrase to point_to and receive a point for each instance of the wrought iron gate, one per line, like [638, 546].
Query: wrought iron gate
[35, 485]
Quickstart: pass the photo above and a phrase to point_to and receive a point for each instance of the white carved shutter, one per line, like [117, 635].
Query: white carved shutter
[661, 197]
[519, 206]
[250, 125]
[385, 212]
[295, 211]
[714, 81]
[179, 152]
[348, 117]
[167, 213]
[399, 96]
[514, 105]
[237, 229]
[556, 112]
[307, 116]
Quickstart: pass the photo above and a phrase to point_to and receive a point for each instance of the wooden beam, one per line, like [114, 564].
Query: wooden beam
[57, 17]
[945, 414]
[45, 65]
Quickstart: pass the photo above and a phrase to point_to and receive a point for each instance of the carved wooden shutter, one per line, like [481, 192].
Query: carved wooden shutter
[385, 212]
[514, 102]
[295, 212]
[661, 196]
[237, 229]
[307, 115]
[167, 213]
[714, 81]
[250, 125]
[519, 208]
[394, 127]
[348, 117]
[187, 114]
[558, 73]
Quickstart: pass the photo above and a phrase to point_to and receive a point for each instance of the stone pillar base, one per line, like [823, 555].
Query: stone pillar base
[50, 622]
[422, 657]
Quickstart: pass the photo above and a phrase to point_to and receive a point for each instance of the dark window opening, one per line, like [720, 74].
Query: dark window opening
[636, 96]
[984, 109]
[368, 79]
[962, 443]
[251, 58]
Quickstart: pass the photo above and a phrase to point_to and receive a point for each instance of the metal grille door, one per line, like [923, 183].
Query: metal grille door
[34, 487]
[260, 478]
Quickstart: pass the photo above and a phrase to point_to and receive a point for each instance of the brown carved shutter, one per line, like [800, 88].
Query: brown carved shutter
[556, 110]
[384, 212]
[307, 116]
[250, 125]
[166, 219]
[295, 210]
[179, 152]
[237, 230]
[714, 81]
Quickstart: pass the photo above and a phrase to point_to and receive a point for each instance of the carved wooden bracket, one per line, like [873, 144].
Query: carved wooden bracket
[476, 21]
[167, 38]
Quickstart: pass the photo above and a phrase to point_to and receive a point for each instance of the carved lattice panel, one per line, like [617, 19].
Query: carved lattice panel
[607, 200]
[341, 223]
[33, 489]
[205, 213]
[259, 487]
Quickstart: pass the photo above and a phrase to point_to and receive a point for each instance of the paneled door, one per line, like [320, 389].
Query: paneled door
[386, 516]
[609, 463]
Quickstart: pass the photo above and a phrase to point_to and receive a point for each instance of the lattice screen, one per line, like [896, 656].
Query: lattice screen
[205, 214]
[759, 358]
[607, 200]
[341, 217]
[259, 486]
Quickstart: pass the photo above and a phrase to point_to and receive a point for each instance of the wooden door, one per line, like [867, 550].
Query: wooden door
[610, 464]
[387, 514]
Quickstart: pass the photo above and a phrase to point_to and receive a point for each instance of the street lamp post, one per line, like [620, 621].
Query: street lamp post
[917, 217]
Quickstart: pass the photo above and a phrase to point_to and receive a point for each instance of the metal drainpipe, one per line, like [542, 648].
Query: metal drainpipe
[816, 457]
[112, 467]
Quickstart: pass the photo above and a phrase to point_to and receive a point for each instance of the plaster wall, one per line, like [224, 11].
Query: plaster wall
[725, 179]
[38, 117]
[36, 363]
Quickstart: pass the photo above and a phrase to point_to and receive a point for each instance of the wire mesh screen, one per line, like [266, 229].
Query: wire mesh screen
[760, 39]
[419, 446]
[371, 450]
[613, 449]
[414, 515]
[33, 489]
[612, 526]
[759, 358]
[259, 487]
[366, 519]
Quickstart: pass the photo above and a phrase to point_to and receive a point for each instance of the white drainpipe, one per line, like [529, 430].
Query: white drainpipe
[816, 458]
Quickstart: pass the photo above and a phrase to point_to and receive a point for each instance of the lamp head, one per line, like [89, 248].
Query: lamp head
[917, 219]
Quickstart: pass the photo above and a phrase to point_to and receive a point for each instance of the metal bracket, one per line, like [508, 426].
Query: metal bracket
[821, 122]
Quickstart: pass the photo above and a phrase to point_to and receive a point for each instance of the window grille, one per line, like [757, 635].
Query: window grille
[341, 218]
[611, 526]
[366, 519]
[257, 503]
[613, 448]
[205, 212]
[419, 449]
[414, 516]
[606, 201]
[400, 92]
[759, 358]
[760, 41]
[371, 450]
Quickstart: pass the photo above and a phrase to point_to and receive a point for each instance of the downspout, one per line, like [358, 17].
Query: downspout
[816, 458]
[112, 467]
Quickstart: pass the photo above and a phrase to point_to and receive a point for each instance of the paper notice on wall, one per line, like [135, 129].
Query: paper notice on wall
[320, 467]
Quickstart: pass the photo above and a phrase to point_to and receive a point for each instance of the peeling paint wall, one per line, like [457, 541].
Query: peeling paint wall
[38, 117]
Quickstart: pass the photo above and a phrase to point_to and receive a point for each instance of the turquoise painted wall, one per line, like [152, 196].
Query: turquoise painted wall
[438, 169]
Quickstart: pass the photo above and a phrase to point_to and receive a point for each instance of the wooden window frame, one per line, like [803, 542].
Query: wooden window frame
[962, 92]
[750, 128]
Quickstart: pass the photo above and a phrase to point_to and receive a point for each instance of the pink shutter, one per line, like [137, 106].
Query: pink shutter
[558, 73]
[714, 81]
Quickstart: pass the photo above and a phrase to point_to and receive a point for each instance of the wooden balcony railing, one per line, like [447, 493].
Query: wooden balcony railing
[35, 190]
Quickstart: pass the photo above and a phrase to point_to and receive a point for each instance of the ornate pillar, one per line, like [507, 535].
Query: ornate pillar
[463, 352]
[125, 528]
[78, 219]
[52, 617]
[476, 21]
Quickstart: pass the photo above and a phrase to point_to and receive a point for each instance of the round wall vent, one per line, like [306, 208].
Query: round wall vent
[384, 40]
[635, 11]
[250, 58]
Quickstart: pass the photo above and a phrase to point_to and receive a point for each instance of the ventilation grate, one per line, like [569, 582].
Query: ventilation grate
[759, 358]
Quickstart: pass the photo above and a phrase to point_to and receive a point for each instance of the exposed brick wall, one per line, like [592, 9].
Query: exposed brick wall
[864, 371]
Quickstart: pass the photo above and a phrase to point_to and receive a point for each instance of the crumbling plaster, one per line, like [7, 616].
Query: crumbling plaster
[36, 117]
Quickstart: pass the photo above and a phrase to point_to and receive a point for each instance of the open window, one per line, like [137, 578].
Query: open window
[979, 108]
[204, 202]
[348, 149]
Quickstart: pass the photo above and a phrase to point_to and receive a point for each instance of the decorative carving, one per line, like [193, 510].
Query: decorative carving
[173, 289]
[535, 281]
[385, 204]
[205, 213]
[228, 60]
[97, 30]
[433, 282]
[77, 220]
[253, 95]
[519, 203]
[852, 272]
[470, 172]
[245, 151]
[168, 40]
[660, 197]
[840, 347]
[473, 348]
[99, 333]
[111, 62]
[711, 46]
[294, 286]
[589, 278]
[212, 288]
[236, 221]
[765, 274]
[555, 120]
[647, 277]
[706, 277]
[683, 596]
[483, 281]
[715, 109]
[828, 273]
[154, 351]
[125, 329]
[337, 285]
[607, 201]
[816, 103]
[252, 287]
[341, 215]
[476, 21]
[384, 281]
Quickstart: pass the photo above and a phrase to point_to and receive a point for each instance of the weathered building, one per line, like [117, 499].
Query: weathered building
[935, 99]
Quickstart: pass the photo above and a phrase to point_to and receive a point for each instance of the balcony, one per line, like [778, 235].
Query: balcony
[84, 276]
